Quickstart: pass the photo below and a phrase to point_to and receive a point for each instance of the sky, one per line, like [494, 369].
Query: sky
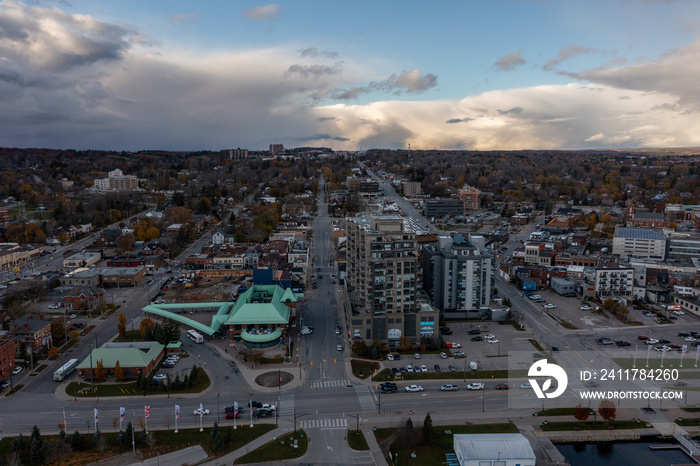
[464, 74]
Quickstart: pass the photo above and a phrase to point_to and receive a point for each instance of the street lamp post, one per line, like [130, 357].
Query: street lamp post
[357, 417]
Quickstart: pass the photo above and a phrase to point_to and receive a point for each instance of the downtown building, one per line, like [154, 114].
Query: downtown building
[382, 264]
[459, 276]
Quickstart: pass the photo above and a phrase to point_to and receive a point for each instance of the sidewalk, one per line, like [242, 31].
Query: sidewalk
[284, 428]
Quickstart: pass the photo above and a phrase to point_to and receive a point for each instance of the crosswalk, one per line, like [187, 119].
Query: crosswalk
[365, 398]
[326, 383]
[286, 407]
[339, 423]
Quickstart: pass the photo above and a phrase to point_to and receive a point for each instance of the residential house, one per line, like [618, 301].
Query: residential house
[30, 331]
[84, 297]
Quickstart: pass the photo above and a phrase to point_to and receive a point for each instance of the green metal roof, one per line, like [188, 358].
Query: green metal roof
[262, 338]
[260, 304]
[127, 357]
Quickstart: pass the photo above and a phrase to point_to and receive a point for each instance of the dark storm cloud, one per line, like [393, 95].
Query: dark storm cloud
[459, 120]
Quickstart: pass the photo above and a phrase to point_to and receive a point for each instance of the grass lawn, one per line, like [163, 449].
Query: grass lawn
[590, 425]
[15, 390]
[692, 422]
[87, 330]
[535, 344]
[560, 412]
[164, 441]
[277, 450]
[40, 368]
[513, 323]
[362, 368]
[131, 389]
[357, 440]
[435, 453]
[691, 409]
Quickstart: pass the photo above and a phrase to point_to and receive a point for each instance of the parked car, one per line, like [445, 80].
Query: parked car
[476, 331]
[494, 340]
[478, 338]
[443, 355]
[459, 354]
[416, 355]
[423, 368]
[436, 368]
[475, 386]
[683, 334]
[490, 336]
[17, 370]
[389, 357]
[451, 368]
[54, 306]
[414, 388]
[449, 388]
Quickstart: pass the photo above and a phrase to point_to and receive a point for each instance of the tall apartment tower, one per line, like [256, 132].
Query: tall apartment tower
[237, 154]
[471, 197]
[459, 275]
[381, 268]
[276, 149]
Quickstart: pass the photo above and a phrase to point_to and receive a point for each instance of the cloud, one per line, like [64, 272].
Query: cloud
[411, 82]
[50, 40]
[566, 54]
[510, 62]
[595, 138]
[185, 18]
[675, 73]
[322, 137]
[313, 52]
[314, 71]
[459, 120]
[510, 111]
[262, 13]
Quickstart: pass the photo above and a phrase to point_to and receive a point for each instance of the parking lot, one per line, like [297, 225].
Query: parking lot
[487, 356]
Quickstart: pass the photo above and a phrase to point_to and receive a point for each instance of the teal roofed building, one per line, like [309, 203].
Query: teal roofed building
[134, 358]
[259, 317]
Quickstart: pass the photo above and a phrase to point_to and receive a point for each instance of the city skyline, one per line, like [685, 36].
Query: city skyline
[457, 75]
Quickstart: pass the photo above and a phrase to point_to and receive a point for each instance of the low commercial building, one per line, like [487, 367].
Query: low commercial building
[443, 207]
[493, 450]
[82, 277]
[124, 276]
[639, 242]
[134, 358]
[563, 286]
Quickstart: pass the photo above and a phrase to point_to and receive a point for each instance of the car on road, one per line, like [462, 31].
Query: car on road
[494, 340]
[17, 370]
[490, 336]
[306, 331]
[414, 388]
[443, 355]
[339, 347]
[622, 343]
[663, 348]
[476, 386]
[679, 313]
[680, 383]
[478, 338]
[199, 411]
[264, 413]
[337, 330]
[232, 408]
[592, 384]
[502, 386]
[683, 334]
[459, 354]
[689, 338]
[388, 387]
[652, 341]
[268, 406]
[449, 388]
[5, 384]
[437, 368]
[525, 385]
[586, 307]
[644, 337]
[663, 341]
[604, 341]
[233, 415]
[254, 404]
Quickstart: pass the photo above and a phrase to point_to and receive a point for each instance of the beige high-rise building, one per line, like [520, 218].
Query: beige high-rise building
[381, 268]
[276, 149]
[411, 188]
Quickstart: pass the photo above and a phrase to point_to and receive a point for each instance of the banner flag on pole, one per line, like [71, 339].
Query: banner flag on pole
[201, 410]
[147, 410]
[122, 413]
[177, 411]
[96, 417]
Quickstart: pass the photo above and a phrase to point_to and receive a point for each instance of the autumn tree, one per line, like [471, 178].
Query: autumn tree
[121, 325]
[125, 242]
[581, 413]
[118, 371]
[147, 326]
[100, 372]
[607, 410]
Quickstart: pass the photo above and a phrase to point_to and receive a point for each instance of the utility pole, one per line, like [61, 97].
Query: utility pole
[357, 417]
